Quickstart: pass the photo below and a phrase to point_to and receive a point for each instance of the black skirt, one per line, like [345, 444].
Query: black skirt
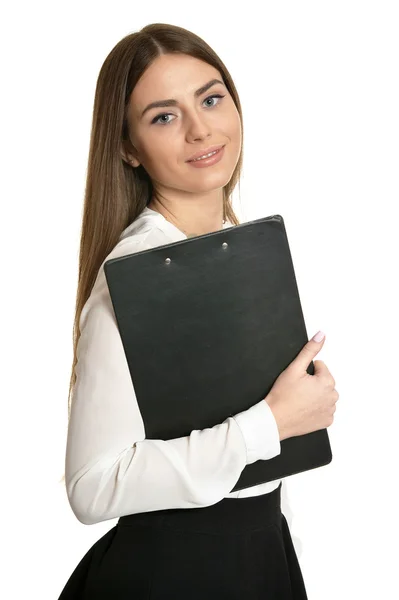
[239, 548]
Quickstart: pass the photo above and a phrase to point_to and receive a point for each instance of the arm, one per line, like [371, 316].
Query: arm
[111, 469]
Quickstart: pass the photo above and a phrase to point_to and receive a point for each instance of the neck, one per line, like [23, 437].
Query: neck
[192, 217]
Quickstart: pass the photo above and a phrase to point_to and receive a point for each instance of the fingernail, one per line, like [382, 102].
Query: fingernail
[318, 336]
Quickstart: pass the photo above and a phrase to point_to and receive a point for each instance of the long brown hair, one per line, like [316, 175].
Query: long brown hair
[115, 192]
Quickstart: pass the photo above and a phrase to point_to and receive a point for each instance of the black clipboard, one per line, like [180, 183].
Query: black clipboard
[207, 325]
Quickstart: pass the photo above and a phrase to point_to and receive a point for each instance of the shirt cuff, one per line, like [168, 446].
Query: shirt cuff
[260, 431]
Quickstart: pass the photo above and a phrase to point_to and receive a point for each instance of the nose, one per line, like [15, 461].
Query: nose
[197, 127]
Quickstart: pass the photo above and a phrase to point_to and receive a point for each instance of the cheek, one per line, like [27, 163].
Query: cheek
[160, 157]
[231, 124]
[154, 151]
[233, 131]
[236, 123]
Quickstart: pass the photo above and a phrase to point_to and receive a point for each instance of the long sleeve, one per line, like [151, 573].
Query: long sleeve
[111, 469]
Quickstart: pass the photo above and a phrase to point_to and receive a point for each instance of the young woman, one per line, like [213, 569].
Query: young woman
[165, 156]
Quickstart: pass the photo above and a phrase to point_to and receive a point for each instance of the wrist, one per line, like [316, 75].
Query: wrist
[278, 414]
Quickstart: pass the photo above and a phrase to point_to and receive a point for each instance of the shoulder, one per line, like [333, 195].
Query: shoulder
[146, 237]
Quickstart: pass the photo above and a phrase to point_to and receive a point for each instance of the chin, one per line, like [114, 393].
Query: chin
[209, 185]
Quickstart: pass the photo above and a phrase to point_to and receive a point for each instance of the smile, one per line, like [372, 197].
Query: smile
[207, 160]
[205, 156]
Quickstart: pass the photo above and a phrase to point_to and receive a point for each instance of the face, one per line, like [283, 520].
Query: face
[164, 138]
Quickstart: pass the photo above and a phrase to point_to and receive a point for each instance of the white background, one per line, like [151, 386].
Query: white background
[321, 125]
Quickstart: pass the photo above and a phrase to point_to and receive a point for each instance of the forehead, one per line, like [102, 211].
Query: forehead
[170, 76]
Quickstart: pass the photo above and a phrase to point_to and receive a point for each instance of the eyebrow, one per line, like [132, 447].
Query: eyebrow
[171, 102]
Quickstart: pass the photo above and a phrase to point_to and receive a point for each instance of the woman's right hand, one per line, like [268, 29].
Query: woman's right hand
[302, 403]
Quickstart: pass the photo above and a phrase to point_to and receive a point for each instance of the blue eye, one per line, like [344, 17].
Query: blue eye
[156, 119]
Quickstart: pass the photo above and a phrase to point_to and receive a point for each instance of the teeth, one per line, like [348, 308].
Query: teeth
[205, 156]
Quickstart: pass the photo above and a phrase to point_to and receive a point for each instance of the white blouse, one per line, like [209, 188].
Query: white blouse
[111, 469]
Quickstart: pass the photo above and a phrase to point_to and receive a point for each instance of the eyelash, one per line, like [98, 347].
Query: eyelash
[155, 120]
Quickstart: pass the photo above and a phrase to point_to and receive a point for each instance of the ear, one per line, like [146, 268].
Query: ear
[129, 154]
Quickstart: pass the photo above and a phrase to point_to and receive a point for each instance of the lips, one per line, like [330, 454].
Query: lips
[206, 151]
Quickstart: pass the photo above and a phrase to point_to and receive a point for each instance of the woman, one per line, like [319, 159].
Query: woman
[163, 100]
